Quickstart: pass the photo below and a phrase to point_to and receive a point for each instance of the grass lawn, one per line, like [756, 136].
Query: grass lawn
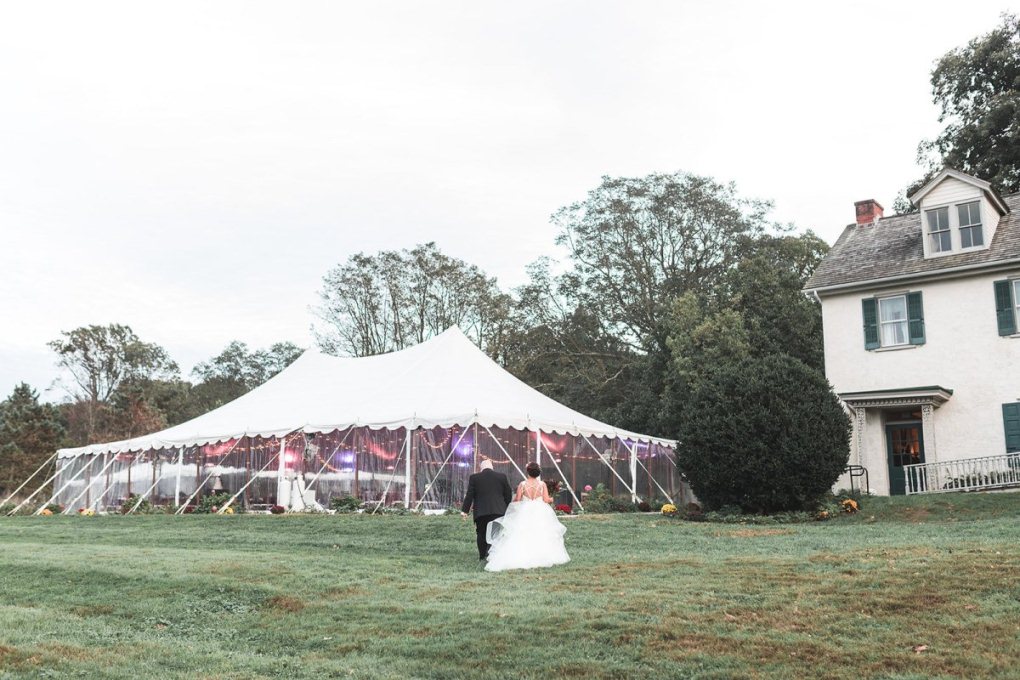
[383, 597]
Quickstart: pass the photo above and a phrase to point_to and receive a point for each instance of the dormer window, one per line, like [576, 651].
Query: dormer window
[959, 213]
[970, 225]
[938, 230]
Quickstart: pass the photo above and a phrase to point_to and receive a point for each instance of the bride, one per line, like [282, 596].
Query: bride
[528, 535]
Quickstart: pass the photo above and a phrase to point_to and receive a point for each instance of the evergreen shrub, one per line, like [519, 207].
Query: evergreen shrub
[763, 435]
[601, 500]
[345, 504]
[211, 503]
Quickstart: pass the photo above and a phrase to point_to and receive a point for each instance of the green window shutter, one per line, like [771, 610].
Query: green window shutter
[1011, 423]
[870, 308]
[915, 317]
[1004, 308]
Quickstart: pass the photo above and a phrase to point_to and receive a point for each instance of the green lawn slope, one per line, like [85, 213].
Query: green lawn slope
[909, 588]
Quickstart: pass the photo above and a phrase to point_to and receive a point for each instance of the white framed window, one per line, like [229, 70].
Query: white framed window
[892, 321]
[940, 238]
[971, 235]
[1016, 302]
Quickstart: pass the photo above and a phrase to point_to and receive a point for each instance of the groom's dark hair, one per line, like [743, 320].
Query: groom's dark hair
[533, 469]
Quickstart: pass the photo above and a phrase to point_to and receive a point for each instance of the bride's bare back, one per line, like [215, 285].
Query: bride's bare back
[533, 489]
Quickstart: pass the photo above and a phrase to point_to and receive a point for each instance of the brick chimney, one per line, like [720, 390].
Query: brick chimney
[868, 212]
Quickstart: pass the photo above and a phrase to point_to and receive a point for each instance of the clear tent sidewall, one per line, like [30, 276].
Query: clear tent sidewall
[426, 468]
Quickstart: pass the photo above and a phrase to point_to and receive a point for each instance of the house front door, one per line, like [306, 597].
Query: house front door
[906, 447]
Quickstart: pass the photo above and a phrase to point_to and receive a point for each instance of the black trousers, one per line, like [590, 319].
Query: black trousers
[481, 525]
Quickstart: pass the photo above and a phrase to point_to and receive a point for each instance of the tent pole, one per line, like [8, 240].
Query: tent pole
[88, 482]
[199, 462]
[598, 454]
[177, 486]
[247, 466]
[92, 459]
[453, 448]
[37, 470]
[109, 484]
[393, 474]
[407, 468]
[474, 448]
[633, 469]
[358, 442]
[155, 457]
[573, 459]
[281, 471]
[505, 453]
[60, 468]
[564, 477]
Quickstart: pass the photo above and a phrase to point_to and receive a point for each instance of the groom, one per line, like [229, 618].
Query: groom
[488, 493]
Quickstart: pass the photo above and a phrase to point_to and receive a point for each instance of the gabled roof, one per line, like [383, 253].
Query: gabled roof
[442, 382]
[986, 187]
[891, 249]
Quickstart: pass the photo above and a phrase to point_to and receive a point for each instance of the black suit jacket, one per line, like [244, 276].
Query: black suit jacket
[488, 493]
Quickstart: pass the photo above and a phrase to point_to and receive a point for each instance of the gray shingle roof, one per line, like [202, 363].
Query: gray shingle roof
[892, 247]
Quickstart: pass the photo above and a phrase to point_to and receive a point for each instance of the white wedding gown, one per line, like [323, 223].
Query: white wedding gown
[527, 536]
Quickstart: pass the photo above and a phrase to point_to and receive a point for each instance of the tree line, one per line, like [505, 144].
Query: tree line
[667, 276]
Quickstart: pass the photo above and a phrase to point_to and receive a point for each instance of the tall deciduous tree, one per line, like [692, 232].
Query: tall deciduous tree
[557, 346]
[99, 359]
[638, 243]
[230, 374]
[29, 433]
[977, 90]
[248, 368]
[379, 303]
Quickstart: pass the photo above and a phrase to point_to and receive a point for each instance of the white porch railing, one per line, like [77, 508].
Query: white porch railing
[971, 474]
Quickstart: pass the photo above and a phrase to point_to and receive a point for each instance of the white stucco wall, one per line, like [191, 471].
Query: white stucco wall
[963, 352]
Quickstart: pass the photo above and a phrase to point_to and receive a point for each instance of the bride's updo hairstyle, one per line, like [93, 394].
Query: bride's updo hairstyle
[533, 469]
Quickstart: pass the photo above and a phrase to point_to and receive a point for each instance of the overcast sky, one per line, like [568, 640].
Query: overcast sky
[192, 169]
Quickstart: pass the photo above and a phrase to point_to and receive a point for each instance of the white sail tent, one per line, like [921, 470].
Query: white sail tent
[406, 427]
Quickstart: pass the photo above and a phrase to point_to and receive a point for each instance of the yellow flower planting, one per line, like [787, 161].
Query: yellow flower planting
[46, 511]
[669, 509]
[228, 511]
[849, 506]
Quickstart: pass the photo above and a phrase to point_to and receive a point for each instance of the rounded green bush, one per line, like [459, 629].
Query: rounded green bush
[765, 434]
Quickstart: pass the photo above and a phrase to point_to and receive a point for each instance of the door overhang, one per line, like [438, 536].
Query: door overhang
[931, 395]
